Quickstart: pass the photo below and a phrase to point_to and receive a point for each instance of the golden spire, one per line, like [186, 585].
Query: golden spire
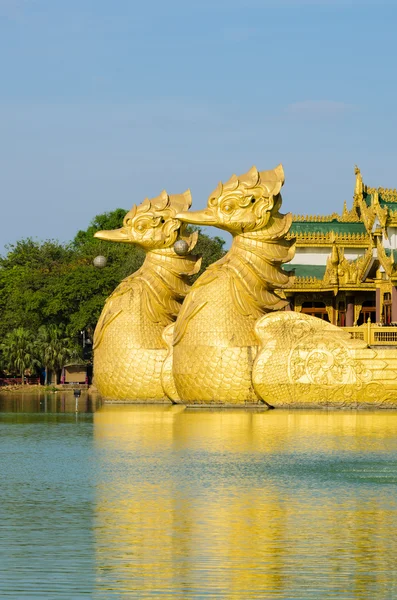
[358, 190]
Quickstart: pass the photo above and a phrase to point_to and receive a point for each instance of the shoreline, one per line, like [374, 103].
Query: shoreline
[41, 389]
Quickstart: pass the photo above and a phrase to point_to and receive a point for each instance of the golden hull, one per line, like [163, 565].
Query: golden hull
[215, 375]
[306, 362]
[133, 378]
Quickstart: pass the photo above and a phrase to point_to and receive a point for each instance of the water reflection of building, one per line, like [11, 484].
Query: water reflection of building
[345, 263]
[243, 504]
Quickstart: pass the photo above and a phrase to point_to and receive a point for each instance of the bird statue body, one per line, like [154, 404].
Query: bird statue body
[129, 349]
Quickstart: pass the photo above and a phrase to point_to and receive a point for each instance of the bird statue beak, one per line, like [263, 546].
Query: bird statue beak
[198, 217]
[113, 235]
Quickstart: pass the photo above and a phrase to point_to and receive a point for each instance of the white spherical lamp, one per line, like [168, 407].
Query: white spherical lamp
[181, 247]
[100, 262]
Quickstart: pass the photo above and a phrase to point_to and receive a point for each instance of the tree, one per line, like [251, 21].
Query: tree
[53, 349]
[49, 283]
[25, 274]
[18, 351]
[107, 220]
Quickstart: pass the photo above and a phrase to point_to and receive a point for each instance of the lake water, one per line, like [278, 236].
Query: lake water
[166, 502]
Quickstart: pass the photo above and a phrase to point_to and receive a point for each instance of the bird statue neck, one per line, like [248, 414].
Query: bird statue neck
[164, 280]
[254, 265]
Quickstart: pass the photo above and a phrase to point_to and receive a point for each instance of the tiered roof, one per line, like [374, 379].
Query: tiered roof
[306, 271]
[363, 227]
[386, 197]
[313, 232]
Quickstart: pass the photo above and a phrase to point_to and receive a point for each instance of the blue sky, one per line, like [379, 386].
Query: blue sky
[105, 102]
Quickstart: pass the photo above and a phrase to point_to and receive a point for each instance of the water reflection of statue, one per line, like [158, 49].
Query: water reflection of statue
[238, 504]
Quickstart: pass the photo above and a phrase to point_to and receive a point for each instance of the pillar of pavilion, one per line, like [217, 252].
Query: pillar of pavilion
[377, 320]
[394, 304]
[350, 311]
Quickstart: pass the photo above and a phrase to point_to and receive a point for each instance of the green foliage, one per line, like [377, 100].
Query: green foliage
[56, 285]
[53, 348]
[25, 273]
[210, 249]
[21, 350]
[18, 351]
[109, 220]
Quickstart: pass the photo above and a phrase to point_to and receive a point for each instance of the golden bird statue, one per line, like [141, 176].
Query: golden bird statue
[214, 342]
[129, 349]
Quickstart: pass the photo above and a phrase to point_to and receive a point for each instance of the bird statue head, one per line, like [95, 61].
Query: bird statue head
[153, 224]
[243, 203]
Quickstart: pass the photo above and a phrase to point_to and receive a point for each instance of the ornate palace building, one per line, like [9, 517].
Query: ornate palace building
[345, 264]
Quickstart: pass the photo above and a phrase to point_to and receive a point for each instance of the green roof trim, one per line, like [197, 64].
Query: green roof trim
[299, 227]
[389, 252]
[316, 271]
[367, 198]
[391, 205]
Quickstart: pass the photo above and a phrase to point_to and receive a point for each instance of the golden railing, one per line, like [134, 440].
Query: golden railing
[374, 334]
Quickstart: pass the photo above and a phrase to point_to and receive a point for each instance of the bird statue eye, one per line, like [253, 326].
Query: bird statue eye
[227, 208]
[140, 227]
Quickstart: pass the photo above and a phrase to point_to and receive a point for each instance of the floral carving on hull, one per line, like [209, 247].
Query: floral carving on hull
[304, 361]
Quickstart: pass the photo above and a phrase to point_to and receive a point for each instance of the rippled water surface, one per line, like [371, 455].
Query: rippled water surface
[164, 502]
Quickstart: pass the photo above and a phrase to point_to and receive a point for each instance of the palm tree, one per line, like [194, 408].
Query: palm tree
[53, 348]
[18, 351]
